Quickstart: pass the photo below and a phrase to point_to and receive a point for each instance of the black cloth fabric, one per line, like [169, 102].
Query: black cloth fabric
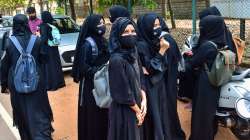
[125, 87]
[229, 38]
[92, 120]
[209, 11]
[206, 96]
[31, 112]
[164, 26]
[174, 57]
[212, 28]
[156, 125]
[146, 30]
[53, 68]
[189, 77]
[117, 11]
[47, 17]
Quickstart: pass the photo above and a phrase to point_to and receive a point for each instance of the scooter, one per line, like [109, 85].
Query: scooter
[234, 103]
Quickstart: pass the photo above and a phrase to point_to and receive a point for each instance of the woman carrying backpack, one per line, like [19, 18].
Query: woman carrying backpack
[203, 126]
[32, 113]
[53, 69]
[91, 53]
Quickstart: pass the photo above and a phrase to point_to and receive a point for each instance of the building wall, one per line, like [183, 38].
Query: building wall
[183, 8]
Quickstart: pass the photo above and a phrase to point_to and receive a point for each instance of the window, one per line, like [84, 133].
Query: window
[66, 25]
[6, 22]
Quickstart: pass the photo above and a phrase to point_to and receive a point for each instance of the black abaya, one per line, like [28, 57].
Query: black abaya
[157, 124]
[92, 120]
[53, 68]
[31, 112]
[125, 86]
[206, 96]
[174, 57]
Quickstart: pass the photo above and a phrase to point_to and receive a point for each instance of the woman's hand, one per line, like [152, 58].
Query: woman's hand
[143, 104]
[145, 72]
[164, 46]
[140, 119]
[138, 113]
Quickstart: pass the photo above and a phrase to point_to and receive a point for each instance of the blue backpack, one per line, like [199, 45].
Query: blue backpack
[25, 75]
[55, 35]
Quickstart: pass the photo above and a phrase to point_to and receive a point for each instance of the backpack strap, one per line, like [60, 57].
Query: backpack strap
[93, 45]
[31, 44]
[51, 26]
[17, 44]
[215, 45]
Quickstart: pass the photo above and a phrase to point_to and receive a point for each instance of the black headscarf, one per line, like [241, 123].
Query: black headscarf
[47, 17]
[214, 11]
[115, 38]
[164, 26]
[212, 28]
[89, 28]
[21, 26]
[209, 11]
[117, 11]
[145, 25]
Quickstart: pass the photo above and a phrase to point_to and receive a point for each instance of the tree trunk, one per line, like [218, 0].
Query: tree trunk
[30, 2]
[171, 14]
[72, 8]
[207, 3]
[163, 7]
[41, 5]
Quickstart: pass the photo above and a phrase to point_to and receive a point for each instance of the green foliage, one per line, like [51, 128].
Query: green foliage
[103, 4]
[150, 4]
[60, 11]
[11, 3]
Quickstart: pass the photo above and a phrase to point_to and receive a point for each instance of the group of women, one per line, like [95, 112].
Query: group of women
[143, 70]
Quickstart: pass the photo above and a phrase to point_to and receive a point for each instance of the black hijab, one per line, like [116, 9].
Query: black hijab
[89, 28]
[214, 11]
[47, 17]
[212, 28]
[164, 26]
[115, 38]
[145, 25]
[21, 26]
[117, 11]
[209, 11]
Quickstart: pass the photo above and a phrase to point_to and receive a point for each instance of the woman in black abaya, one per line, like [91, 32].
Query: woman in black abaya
[31, 112]
[127, 111]
[92, 120]
[212, 28]
[53, 69]
[174, 57]
[153, 55]
[189, 76]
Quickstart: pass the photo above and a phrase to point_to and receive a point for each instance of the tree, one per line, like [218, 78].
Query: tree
[207, 3]
[171, 14]
[163, 8]
[72, 8]
[12, 4]
[29, 3]
[41, 5]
